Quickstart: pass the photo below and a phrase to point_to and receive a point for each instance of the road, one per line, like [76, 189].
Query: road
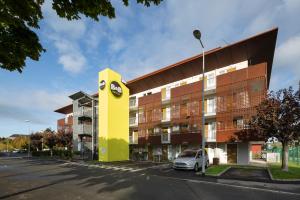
[48, 179]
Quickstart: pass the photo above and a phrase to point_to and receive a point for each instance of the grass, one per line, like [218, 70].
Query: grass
[214, 170]
[277, 173]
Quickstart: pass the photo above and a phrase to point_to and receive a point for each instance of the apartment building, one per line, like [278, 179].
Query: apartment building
[165, 106]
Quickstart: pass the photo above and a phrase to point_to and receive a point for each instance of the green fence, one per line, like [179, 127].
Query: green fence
[294, 153]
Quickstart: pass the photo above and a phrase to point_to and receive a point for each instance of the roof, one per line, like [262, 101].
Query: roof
[256, 49]
[65, 110]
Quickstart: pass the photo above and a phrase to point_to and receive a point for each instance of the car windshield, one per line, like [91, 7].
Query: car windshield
[186, 154]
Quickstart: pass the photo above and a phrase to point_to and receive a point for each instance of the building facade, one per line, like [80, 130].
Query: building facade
[165, 106]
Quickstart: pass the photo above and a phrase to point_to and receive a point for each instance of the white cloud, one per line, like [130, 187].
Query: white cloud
[288, 54]
[66, 36]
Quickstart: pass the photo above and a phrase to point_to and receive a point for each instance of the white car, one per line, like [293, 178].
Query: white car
[190, 159]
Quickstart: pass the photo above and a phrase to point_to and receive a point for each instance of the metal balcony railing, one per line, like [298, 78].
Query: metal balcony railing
[85, 111]
[133, 121]
[132, 103]
[84, 129]
[165, 138]
[211, 136]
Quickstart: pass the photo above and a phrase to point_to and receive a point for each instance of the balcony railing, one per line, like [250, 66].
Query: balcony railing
[132, 103]
[165, 138]
[85, 111]
[133, 139]
[211, 136]
[133, 121]
[84, 129]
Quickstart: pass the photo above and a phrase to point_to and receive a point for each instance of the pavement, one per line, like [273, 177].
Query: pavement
[250, 174]
[52, 179]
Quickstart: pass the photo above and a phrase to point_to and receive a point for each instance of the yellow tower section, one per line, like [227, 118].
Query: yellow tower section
[113, 116]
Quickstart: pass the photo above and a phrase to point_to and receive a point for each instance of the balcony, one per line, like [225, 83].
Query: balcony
[165, 95]
[166, 114]
[134, 138]
[84, 129]
[211, 135]
[85, 113]
[133, 104]
[165, 138]
[133, 121]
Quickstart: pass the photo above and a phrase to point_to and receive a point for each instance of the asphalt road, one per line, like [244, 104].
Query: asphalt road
[46, 179]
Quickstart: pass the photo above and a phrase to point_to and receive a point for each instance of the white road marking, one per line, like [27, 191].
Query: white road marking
[228, 185]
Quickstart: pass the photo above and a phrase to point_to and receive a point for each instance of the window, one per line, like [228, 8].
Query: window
[175, 128]
[238, 123]
[211, 81]
[156, 130]
[132, 101]
[211, 105]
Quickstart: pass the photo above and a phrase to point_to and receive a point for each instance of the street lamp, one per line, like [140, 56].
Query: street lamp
[28, 121]
[197, 35]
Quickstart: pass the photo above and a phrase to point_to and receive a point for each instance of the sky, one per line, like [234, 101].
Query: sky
[138, 41]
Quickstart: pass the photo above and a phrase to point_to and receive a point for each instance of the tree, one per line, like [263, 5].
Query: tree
[20, 142]
[36, 141]
[50, 139]
[277, 116]
[18, 19]
[65, 139]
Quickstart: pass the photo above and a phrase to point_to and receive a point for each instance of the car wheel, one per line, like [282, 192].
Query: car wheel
[196, 168]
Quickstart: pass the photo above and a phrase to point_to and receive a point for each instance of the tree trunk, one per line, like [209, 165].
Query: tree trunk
[51, 152]
[285, 157]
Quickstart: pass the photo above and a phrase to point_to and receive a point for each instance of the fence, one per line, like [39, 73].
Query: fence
[294, 154]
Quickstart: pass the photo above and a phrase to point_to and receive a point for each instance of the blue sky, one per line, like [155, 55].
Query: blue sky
[138, 41]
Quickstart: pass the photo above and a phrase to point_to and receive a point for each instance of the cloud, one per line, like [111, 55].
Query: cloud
[288, 54]
[66, 36]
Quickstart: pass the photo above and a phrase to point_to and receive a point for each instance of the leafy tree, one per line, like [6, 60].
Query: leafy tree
[20, 142]
[18, 19]
[65, 139]
[277, 116]
[6, 144]
[50, 139]
[36, 141]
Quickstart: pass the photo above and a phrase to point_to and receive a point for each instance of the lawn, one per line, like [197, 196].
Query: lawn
[214, 170]
[293, 173]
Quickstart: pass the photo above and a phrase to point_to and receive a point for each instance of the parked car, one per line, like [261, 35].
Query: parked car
[190, 159]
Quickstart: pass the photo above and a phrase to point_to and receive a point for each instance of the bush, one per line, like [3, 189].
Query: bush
[61, 153]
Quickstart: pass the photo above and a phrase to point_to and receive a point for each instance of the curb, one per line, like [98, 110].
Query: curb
[276, 180]
[221, 173]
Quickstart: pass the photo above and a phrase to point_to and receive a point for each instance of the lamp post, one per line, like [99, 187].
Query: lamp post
[197, 35]
[28, 121]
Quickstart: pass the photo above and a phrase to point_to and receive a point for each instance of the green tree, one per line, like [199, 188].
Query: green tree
[19, 19]
[277, 116]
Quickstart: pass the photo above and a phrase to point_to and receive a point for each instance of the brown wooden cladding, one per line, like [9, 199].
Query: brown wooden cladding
[176, 139]
[186, 105]
[186, 138]
[237, 94]
[63, 126]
